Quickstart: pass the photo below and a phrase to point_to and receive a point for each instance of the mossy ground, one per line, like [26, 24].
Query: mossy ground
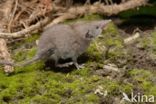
[37, 84]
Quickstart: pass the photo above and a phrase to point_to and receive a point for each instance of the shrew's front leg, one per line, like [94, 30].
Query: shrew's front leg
[74, 59]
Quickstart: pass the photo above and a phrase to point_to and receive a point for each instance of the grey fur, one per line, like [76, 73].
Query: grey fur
[64, 41]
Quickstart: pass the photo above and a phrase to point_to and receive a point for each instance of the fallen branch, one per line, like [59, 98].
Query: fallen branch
[75, 12]
[6, 9]
[131, 39]
[115, 9]
[25, 31]
[108, 10]
[5, 55]
[12, 16]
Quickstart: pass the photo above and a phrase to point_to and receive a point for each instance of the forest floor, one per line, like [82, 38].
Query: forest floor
[125, 69]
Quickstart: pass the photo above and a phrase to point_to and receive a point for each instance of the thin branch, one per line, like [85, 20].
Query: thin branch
[24, 31]
[5, 55]
[75, 12]
[12, 16]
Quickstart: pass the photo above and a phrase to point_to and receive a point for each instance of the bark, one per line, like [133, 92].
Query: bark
[5, 55]
[5, 10]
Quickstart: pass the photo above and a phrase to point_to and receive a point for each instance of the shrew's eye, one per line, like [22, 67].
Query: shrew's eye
[97, 27]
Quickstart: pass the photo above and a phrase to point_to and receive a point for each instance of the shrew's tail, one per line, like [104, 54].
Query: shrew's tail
[34, 59]
[37, 57]
[5, 62]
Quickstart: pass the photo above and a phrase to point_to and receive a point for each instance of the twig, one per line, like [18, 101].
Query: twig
[24, 31]
[18, 14]
[131, 39]
[12, 16]
[75, 12]
[5, 55]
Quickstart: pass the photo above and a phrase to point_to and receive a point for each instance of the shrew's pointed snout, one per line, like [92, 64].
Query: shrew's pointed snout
[105, 22]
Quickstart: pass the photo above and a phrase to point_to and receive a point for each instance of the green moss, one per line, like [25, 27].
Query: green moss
[42, 100]
[111, 37]
[94, 53]
[111, 86]
[91, 17]
[88, 17]
[147, 10]
[81, 87]
[152, 91]
[31, 53]
[113, 42]
[111, 29]
[153, 41]
[16, 86]
[92, 98]
[144, 79]
[154, 36]
[24, 54]
[44, 87]
[140, 73]
[34, 84]
[26, 41]
[31, 39]
[145, 42]
[83, 72]
[126, 88]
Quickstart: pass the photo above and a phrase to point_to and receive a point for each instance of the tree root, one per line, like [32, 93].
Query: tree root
[5, 55]
[24, 31]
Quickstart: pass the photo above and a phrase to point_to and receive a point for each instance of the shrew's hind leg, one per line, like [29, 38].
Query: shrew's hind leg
[61, 65]
[55, 59]
[74, 59]
[65, 64]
